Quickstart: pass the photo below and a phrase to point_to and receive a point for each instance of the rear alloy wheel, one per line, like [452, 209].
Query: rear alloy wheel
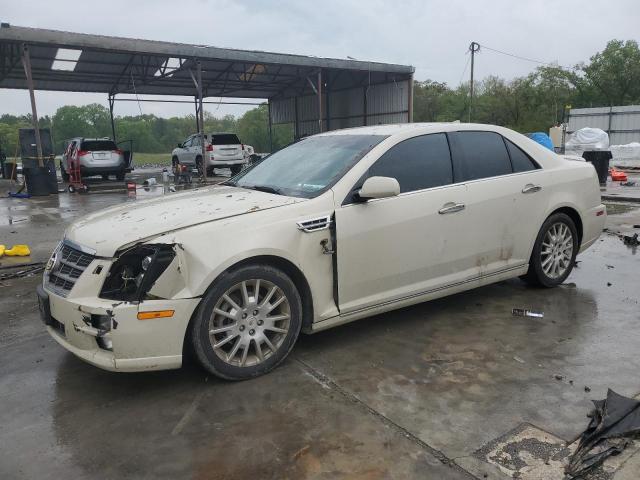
[554, 253]
[199, 166]
[247, 323]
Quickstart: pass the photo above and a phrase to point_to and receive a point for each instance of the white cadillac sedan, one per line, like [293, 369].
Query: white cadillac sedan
[334, 228]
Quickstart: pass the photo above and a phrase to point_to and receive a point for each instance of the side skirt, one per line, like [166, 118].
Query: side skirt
[439, 292]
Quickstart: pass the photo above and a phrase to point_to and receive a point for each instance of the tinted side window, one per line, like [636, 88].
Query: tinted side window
[417, 163]
[478, 155]
[187, 142]
[521, 161]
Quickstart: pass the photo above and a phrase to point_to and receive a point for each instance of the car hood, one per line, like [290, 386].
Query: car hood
[108, 230]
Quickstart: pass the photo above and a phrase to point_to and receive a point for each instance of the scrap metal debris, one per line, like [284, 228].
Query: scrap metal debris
[615, 421]
[521, 312]
[21, 271]
[631, 240]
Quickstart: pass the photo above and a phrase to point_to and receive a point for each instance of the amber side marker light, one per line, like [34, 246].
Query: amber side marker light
[155, 314]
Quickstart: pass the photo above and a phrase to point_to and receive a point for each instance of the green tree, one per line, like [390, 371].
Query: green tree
[615, 72]
[253, 129]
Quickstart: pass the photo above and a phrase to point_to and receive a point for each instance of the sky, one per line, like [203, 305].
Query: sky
[432, 35]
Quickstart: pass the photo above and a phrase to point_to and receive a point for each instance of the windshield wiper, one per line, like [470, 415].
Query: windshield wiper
[263, 188]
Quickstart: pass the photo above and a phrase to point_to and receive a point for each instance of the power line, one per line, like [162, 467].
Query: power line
[526, 59]
[466, 65]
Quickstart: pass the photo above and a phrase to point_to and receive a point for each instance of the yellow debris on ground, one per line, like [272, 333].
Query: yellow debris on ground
[15, 251]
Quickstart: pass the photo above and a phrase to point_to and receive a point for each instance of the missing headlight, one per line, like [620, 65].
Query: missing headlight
[133, 274]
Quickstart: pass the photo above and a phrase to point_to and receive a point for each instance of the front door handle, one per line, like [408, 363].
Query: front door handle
[451, 207]
[531, 188]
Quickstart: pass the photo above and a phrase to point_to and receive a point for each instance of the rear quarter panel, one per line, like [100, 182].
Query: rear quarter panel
[575, 185]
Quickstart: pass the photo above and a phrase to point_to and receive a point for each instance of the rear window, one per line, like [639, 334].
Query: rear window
[478, 155]
[98, 145]
[225, 139]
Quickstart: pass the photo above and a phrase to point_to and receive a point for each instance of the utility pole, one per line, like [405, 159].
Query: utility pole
[474, 47]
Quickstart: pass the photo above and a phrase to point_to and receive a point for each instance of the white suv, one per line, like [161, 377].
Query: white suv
[222, 150]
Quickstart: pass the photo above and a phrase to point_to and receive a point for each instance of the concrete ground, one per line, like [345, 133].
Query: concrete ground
[451, 389]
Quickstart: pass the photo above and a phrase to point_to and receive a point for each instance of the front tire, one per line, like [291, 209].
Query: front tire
[554, 252]
[247, 323]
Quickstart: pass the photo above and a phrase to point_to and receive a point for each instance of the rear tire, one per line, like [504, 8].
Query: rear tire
[199, 166]
[64, 175]
[105, 177]
[554, 252]
[247, 323]
[235, 169]
[120, 175]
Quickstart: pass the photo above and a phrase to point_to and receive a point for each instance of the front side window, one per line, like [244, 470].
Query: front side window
[478, 155]
[309, 167]
[187, 142]
[417, 163]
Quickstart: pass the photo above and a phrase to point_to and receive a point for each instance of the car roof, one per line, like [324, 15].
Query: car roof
[400, 128]
[542, 154]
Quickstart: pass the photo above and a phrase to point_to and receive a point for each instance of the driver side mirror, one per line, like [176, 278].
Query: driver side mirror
[379, 187]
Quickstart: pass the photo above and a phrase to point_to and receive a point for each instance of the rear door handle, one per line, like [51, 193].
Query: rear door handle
[531, 188]
[451, 207]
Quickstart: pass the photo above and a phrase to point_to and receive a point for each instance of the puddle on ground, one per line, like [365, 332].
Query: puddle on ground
[620, 208]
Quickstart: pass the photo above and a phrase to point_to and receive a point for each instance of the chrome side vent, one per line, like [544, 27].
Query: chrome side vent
[315, 224]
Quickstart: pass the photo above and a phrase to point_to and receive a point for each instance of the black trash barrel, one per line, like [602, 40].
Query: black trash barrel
[49, 170]
[37, 180]
[600, 161]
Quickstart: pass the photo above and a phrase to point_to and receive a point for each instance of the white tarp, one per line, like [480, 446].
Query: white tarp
[626, 155]
[587, 139]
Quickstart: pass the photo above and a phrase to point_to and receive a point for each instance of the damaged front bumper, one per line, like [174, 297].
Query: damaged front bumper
[108, 333]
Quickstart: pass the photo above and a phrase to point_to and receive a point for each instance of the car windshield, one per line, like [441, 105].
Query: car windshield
[225, 139]
[309, 167]
[98, 145]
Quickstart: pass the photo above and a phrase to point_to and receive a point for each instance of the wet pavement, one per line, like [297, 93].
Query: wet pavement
[430, 391]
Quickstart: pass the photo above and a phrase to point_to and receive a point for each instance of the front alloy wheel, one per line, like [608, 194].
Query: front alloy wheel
[247, 323]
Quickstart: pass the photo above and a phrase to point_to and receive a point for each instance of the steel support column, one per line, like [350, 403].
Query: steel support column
[112, 99]
[296, 127]
[270, 126]
[320, 101]
[26, 63]
[410, 103]
[326, 103]
[201, 117]
[195, 104]
[364, 105]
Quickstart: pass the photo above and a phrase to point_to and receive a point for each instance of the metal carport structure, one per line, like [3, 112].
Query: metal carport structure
[314, 94]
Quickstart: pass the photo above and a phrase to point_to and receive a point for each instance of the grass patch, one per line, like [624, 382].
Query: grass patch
[138, 159]
[151, 158]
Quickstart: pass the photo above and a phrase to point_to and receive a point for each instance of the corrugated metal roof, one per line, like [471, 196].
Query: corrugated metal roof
[125, 65]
